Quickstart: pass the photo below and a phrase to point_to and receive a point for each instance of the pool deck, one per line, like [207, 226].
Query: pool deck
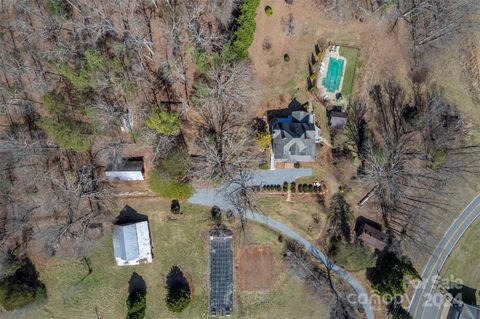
[322, 72]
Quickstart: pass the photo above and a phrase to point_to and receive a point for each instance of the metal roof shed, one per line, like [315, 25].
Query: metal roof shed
[131, 244]
[131, 169]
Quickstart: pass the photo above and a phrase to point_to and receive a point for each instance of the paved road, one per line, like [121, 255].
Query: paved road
[217, 196]
[427, 303]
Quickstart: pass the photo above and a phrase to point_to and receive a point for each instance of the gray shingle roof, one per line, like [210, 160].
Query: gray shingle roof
[338, 119]
[294, 141]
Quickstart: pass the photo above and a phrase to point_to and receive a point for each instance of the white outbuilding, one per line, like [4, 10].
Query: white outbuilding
[131, 169]
[131, 244]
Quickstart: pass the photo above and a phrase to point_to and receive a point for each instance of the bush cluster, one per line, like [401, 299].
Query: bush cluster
[167, 179]
[164, 122]
[268, 11]
[68, 134]
[309, 188]
[272, 188]
[19, 285]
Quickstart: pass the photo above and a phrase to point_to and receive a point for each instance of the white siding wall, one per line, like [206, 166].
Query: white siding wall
[124, 176]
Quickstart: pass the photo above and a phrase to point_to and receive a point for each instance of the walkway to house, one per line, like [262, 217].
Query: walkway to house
[219, 197]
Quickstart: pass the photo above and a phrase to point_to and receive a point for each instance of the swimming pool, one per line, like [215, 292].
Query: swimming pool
[333, 79]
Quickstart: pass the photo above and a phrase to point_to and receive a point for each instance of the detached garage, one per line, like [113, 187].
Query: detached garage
[131, 169]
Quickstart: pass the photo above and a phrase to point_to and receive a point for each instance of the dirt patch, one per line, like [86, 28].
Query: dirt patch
[255, 268]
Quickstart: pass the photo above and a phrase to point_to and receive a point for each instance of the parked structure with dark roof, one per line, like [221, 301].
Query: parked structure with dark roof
[372, 236]
[131, 244]
[131, 169]
[294, 138]
[337, 120]
[221, 272]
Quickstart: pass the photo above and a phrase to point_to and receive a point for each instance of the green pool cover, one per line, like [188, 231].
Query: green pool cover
[334, 75]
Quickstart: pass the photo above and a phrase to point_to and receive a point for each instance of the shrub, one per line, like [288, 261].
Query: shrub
[216, 213]
[436, 158]
[201, 61]
[278, 188]
[300, 188]
[177, 163]
[305, 188]
[286, 57]
[20, 286]
[67, 134]
[264, 165]
[54, 102]
[164, 122]
[285, 186]
[79, 81]
[96, 69]
[60, 8]
[293, 187]
[167, 179]
[268, 11]
[166, 188]
[310, 188]
[136, 304]
[264, 139]
[244, 31]
[297, 165]
[175, 206]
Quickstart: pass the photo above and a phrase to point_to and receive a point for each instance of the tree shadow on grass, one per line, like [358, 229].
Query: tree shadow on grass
[137, 297]
[178, 296]
[136, 283]
[128, 215]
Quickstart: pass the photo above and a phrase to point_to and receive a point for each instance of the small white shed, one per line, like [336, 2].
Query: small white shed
[131, 244]
[131, 169]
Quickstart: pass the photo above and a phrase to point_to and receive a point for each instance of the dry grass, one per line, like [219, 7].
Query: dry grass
[463, 261]
[182, 242]
[298, 214]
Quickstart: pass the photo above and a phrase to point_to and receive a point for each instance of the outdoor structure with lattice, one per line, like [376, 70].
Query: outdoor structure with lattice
[221, 272]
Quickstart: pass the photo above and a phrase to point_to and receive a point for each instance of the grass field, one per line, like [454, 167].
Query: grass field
[351, 55]
[297, 215]
[464, 260]
[183, 243]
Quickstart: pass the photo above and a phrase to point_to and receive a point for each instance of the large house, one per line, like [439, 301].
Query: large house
[294, 138]
[131, 244]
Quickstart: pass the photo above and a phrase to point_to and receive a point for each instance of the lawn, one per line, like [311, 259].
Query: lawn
[463, 261]
[72, 293]
[297, 215]
[351, 55]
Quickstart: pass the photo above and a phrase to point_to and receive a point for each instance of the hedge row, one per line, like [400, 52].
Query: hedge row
[302, 188]
[244, 31]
